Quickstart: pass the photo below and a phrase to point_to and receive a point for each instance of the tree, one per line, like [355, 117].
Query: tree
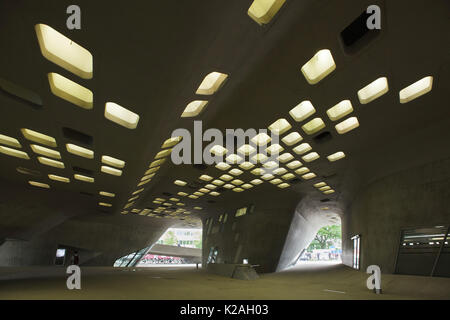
[170, 238]
[325, 237]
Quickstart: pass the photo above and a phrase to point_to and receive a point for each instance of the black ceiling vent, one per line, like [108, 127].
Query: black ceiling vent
[356, 35]
[82, 170]
[20, 94]
[200, 166]
[325, 200]
[323, 137]
[167, 194]
[80, 137]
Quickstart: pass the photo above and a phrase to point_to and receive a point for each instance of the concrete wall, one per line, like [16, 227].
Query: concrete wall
[258, 236]
[410, 198]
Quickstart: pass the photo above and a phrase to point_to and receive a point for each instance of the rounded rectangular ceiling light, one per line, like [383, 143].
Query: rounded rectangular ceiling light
[302, 171]
[223, 166]
[156, 163]
[246, 165]
[283, 185]
[45, 151]
[218, 150]
[39, 137]
[336, 156]
[71, 91]
[274, 149]
[320, 184]
[328, 191]
[319, 66]
[302, 148]
[261, 139]
[112, 171]
[347, 125]
[14, 153]
[256, 181]
[229, 186]
[163, 153]
[302, 111]
[416, 89]
[263, 11]
[211, 83]
[83, 178]
[194, 108]
[292, 138]
[205, 177]
[258, 158]
[246, 149]
[294, 164]
[107, 194]
[285, 157]
[313, 126]
[373, 90]
[79, 151]
[340, 110]
[113, 162]
[309, 176]
[39, 184]
[171, 142]
[58, 178]
[236, 172]
[226, 177]
[151, 170]
[121, 116]
[104, 204]
[311, 157]
[180, 183]
[8, 141]
[64, 52]
[218, 182]
[280, 126]
[233, 159]
[51, 163]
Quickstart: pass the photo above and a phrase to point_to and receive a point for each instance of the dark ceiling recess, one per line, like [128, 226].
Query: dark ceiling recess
[356, 35]
[331, 175]
[323, 137]
[200, 166]
[211, 201]
[87, 194]
[295, 180]
[82, 170]
[77, 136]
[325, 200]
[20, 94]
[168, 194]
[28, 171]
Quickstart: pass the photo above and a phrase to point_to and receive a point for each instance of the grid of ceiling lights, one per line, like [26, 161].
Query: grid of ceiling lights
[69, 55]
[316, 69]
[74, 58]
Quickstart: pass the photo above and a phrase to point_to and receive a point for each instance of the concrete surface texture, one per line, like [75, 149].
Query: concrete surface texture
[414, 197]
[300, 282]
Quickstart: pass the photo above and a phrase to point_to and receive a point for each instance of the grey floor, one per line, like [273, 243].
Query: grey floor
[300, 282]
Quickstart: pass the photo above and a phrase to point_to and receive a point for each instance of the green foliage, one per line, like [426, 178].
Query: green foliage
[325, 237]
[170, 239]
[198, 244]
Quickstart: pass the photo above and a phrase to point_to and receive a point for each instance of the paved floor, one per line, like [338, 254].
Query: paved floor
[306, 281]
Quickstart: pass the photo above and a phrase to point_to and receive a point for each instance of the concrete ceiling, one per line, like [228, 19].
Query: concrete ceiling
[150, 57]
